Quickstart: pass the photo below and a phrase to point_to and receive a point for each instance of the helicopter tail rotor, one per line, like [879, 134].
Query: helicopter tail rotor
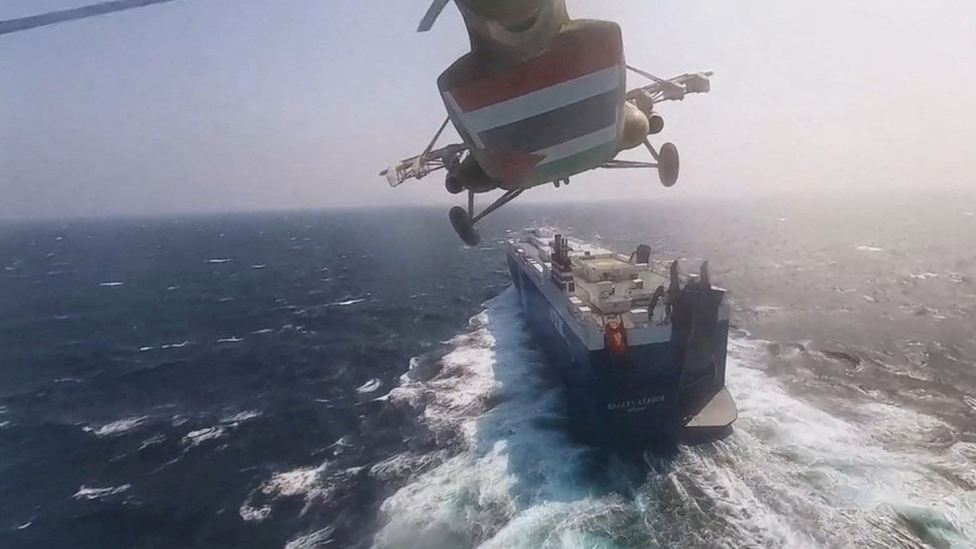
[433, 12]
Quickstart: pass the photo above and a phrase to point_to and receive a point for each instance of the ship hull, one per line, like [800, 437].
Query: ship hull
[636, 399]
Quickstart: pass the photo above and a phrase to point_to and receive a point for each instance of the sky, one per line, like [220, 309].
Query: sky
[236, 105]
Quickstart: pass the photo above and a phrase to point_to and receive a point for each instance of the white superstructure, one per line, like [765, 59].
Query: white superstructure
[598, 284]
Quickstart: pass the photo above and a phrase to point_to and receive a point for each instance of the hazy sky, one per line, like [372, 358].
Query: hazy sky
[212, 105]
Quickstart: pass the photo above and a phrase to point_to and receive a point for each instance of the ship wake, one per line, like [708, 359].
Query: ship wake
[791, 475]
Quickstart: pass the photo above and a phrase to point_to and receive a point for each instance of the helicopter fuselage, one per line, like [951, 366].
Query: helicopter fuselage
[539, 97]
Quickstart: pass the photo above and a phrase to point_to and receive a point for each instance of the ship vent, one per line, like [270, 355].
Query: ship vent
[561, 273]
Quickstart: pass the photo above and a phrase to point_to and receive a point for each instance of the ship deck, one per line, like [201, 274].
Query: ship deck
[591, 300]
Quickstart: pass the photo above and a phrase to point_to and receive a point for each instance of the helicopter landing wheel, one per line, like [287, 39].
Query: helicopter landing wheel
[668, 164]
[463, 226]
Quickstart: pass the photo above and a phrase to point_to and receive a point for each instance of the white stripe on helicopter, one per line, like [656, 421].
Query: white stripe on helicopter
[540, 101]
[578, 145]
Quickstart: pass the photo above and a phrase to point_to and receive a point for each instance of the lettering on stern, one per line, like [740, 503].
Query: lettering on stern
[636, 405]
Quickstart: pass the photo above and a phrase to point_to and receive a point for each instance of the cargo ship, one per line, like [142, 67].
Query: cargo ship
[640, 346]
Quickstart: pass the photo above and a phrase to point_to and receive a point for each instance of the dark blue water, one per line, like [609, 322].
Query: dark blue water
[360, 378]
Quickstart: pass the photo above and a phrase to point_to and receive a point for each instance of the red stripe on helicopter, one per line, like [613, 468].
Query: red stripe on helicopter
[571, 59]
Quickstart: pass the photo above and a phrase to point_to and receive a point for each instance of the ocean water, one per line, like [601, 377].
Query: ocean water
[361, 379]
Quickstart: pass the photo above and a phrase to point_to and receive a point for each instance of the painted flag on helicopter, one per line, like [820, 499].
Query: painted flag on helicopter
[548, 117]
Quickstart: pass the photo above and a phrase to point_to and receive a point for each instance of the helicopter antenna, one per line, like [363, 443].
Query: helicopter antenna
[645, 74]
[73, 14]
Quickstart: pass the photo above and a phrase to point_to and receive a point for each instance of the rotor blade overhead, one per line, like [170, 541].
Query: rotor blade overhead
[54, 17]
[433, 12]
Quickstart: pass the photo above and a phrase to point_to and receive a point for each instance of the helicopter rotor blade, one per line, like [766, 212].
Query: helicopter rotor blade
[73, 14]
[433, 12]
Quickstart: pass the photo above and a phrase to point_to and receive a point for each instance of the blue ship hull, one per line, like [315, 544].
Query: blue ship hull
[643, 398]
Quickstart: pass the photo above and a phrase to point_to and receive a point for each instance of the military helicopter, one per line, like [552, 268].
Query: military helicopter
[538, 98]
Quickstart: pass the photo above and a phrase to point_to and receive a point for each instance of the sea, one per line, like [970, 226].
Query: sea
[361, 379]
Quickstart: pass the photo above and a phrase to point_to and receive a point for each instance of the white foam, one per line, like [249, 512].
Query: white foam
[865, 248]
[342, 442]
[89, 493]
[508, 463]
[254, 514]
[231, 339]
[117, 427]
[348, 302]
[151, 441]
[791, 475]
[219, 260]
[301, 481]
[970, 401]
[25, 525]
[241, 417]
[198, 437]
[111, 284]
[369, 386]
[263, 331]
[400, 465]
[789, 459]
[258, 267]
[175, 345]
[307, 482]
[313, 540]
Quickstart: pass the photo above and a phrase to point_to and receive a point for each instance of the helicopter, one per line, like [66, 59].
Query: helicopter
[538, 98]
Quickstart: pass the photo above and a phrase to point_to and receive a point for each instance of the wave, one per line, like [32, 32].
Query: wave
[348, 302]
[117, 427]
[241, 417]
[491, 399]
[369, 386]
[309, 483]
[198, 437]
[311, 540]
[792, 474]
[91, 494]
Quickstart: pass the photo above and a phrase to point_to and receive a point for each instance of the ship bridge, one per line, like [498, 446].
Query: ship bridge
[597, 282]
